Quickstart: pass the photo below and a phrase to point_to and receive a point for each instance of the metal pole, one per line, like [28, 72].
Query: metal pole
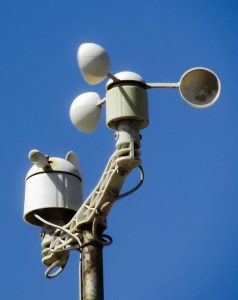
[91, 268]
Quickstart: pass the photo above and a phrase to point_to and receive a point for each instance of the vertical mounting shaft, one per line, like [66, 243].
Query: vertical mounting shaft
[91, 268]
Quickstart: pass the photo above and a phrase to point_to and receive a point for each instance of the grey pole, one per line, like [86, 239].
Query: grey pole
[91, 268]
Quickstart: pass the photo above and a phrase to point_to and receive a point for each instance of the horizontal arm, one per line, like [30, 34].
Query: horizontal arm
[162, 85]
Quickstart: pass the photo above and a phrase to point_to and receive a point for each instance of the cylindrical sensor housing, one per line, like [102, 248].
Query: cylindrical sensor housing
[126, 99]
[54, 193]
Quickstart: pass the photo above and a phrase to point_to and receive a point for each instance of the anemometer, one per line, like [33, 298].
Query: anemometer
[53, 193]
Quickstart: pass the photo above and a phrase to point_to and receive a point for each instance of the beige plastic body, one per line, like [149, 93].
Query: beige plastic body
[126, 102]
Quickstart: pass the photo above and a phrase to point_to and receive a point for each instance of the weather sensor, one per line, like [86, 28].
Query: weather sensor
[126, 92]
[53, 197]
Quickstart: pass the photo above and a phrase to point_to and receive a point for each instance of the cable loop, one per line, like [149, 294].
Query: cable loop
[57, 272]
[106, 240]
[142, 176]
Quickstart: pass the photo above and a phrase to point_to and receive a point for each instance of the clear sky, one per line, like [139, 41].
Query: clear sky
[176, 237]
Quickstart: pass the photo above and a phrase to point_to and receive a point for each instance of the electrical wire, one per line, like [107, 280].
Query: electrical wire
[58, 271]
[104, 239]
[59, 227]
[142, 176]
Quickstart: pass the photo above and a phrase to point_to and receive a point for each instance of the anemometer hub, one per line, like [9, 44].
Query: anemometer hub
[126, 99]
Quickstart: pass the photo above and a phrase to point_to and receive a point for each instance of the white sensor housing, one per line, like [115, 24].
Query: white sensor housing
[54, 193]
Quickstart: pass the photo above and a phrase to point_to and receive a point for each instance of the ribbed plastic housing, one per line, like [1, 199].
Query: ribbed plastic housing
[125, 102]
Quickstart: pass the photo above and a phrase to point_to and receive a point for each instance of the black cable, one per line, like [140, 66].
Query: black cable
[135, 188]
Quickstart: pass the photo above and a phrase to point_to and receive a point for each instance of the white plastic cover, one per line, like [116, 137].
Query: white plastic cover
[125, 76]
[55, 194]
[93, 62]
[85, 113]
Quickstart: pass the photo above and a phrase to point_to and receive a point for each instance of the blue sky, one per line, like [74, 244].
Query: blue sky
[175, 238]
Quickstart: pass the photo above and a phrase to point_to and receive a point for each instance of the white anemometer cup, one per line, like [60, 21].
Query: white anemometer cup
[93, 62]
[85, 113]
[200, 87]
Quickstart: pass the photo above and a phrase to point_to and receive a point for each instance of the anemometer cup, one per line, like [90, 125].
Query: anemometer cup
[85, 112]
[93, 62]
[200, 87]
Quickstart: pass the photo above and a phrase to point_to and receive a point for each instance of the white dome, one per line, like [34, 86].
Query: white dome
[126, 76]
